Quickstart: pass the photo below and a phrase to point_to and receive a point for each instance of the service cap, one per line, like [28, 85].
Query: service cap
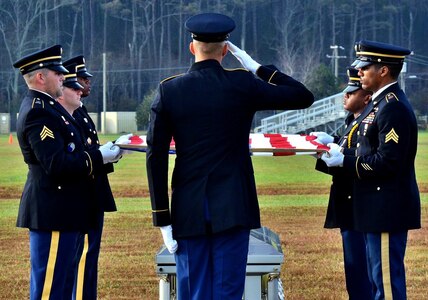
[79, 61]
[354, 83]
[370, 52]
[49, 58]
[210, 27]
[70, 79]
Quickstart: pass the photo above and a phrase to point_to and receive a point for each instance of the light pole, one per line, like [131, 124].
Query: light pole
[335, 58]
[403, 77]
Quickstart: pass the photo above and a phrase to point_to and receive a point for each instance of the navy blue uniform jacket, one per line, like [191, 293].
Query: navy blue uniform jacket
[208, 111]
[59, 193]
[103, 190]
[340, 205]
[386, 195]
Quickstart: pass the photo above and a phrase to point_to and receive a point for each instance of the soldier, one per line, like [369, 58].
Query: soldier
[71, 91]
[339, 211]
[208, 111]
[58, 198]
[386, 197]
[86, 274]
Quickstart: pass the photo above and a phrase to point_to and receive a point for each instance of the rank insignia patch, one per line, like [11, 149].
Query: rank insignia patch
[46, 132]
[391, 136]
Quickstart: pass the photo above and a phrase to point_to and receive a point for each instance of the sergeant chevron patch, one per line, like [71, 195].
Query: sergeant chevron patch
[46, 132]
[392, 135]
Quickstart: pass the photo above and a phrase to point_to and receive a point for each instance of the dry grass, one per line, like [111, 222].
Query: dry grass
[312, 267]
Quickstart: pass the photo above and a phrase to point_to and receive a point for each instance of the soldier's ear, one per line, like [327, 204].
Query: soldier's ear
[224, 51]
[192, 48]
[384, 71]
[367, 99]
[40, 76]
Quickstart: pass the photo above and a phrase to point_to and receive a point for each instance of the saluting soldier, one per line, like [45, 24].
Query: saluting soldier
[340, 213]
[86, 272]
[386, 196]
[58, 198]
[208, 111]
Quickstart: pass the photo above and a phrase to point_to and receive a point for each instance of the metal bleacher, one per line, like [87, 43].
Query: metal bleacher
[325, 115]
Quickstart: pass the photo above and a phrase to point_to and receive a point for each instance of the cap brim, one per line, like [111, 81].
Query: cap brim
[350, 89]
[355, 63]
[73, 85]
[84, 74]
[58, 68]
[362, 64]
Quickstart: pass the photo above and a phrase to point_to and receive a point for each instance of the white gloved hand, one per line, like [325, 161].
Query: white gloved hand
[124, 139]
[322, 137]
[111, 153]
[170, 243]
[334, 157]
[246, 61]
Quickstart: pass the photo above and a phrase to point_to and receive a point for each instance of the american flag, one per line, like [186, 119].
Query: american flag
[268, 144]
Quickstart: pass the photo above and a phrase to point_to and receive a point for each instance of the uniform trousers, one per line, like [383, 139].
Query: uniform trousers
[355, 261]
[51, 258]
[86, 263]
[213, 266]
[385, 256]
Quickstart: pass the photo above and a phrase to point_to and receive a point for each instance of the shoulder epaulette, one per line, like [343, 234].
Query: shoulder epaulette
[237, 69]
[38, 103]
[391, 97]
[172, 77]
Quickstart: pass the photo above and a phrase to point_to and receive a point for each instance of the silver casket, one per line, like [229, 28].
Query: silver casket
[262, 279]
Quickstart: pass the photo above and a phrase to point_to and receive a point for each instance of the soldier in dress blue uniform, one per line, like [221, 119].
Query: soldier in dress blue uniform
[71, 91]
[386, 197]
[339, 211]
[86, 275]
[57, 203]
[208, 111]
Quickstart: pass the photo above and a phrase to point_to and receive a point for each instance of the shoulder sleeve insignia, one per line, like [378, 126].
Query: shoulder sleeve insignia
[46, 132]
[37, 102]
[391, 97]
[171, 77]
[391, 136]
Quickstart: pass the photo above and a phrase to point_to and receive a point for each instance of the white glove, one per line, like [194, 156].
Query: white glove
[111, 153]
[246, 61]
[334, 157]
[170, 243]
[124, 139]
[322, 137]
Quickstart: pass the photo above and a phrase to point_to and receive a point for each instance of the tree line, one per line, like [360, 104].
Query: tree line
[145, 40]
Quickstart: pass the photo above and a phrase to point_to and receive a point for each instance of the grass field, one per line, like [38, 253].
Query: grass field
[293, 200]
